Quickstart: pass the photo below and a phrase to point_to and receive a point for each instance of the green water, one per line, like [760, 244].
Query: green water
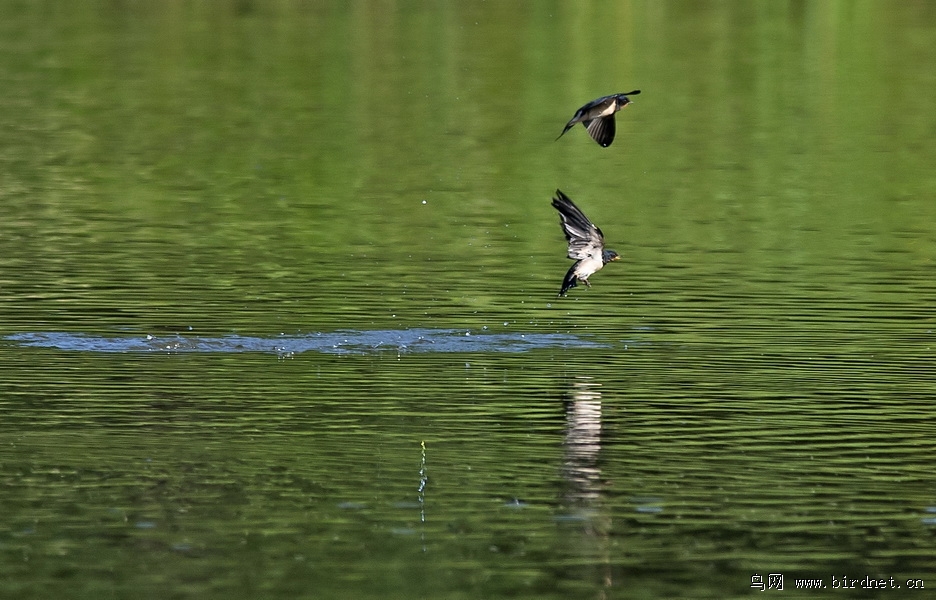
[756, 394]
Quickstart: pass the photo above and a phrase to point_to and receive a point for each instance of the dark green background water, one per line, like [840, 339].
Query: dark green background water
[758, 395]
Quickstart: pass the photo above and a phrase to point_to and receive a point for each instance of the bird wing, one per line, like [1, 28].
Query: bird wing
[598, 105]
[584, 237]
[588, 112]
[602, 130]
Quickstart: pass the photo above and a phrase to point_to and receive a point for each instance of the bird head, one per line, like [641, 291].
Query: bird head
[623, 99]
[609, 255]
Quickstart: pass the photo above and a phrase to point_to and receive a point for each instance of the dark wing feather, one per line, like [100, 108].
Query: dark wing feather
[598, 103]
[602, 130]
[582, 115]
[584, 237]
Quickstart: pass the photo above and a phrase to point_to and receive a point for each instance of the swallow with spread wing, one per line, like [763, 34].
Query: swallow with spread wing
[586, 243]
[598, 117]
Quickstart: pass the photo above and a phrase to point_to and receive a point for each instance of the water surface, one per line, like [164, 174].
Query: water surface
[241, 246]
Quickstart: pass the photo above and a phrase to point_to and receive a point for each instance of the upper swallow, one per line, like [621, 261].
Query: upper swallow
[586, 243]
[598, 117]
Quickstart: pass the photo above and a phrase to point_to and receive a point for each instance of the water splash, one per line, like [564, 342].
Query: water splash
[339, 342]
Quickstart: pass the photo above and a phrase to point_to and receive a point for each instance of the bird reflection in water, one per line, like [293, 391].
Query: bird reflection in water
[581, 473]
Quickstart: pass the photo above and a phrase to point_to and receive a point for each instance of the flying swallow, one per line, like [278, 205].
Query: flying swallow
[598, 117]
[586, 243]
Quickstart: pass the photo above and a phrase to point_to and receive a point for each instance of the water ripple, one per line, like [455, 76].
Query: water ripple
[340, 342]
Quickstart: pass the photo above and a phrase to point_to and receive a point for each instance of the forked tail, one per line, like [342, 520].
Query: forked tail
[567, 127]
[569, 281]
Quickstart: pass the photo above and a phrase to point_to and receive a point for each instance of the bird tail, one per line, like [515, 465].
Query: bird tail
[567, 127]
[569, 281]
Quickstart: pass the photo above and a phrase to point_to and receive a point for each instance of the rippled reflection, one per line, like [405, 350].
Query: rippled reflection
[753, 391]
[581, 472]
[583, 443]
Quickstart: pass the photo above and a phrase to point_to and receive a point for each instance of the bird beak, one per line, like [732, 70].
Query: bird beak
[616, 258]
